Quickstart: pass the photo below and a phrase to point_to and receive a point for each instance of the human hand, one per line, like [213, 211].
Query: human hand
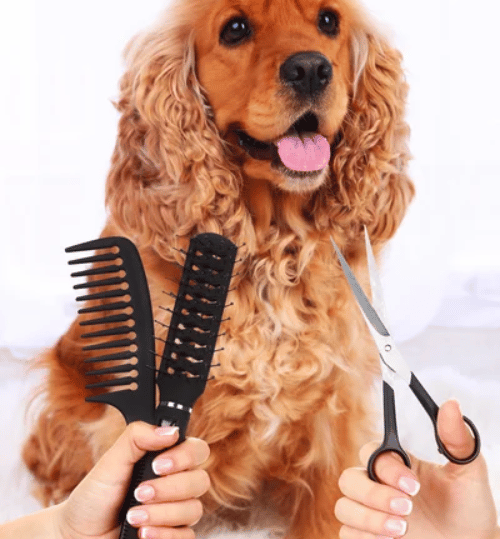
[453, 501]
[170, 503]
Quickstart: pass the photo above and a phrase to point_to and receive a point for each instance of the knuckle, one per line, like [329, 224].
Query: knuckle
[339, 508]
[197, 510]
[372, 495]
[205, 481]
[344, 480]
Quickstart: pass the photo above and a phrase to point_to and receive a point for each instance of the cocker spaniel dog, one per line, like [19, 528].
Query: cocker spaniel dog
[275, 123]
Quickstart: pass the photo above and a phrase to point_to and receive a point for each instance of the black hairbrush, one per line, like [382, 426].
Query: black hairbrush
[189, 347]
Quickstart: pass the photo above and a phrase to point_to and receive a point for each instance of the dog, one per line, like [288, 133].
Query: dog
[276, 123]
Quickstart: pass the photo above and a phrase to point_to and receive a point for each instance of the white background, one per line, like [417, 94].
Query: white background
[61, 62]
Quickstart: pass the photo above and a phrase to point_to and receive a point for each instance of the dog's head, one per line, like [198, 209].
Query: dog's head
[279, 77]
[301, 95]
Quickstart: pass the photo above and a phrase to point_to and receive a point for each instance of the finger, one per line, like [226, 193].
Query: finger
[173, 488]
[368, 520]
[453, 430]
[138, 438]
[355, 484]
[150, 532]
[391, 471]
[186, 513]
[191, 453]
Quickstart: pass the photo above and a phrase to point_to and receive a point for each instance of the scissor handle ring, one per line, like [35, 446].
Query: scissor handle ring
[477, 444]
[385, 448]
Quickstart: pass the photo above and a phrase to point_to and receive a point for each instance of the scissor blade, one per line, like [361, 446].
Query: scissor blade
[375, 281]
[363, 301]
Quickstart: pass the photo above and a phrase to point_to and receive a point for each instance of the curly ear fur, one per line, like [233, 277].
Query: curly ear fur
[169, 175]
[369, 169]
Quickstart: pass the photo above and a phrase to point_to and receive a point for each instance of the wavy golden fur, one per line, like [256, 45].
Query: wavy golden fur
[289, 405]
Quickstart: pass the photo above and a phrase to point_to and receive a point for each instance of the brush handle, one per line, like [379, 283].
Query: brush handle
[143, 469]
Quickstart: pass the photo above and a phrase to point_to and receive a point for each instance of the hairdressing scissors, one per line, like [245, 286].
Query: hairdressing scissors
[393, 365]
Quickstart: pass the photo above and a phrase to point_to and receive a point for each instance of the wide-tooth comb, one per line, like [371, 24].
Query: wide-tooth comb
[117, 282]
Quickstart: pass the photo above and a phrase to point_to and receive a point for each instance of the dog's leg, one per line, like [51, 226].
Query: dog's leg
[57, 451]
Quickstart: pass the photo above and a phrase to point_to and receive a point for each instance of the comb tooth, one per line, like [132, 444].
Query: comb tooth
[113, 382]
[103, 282]
[103, 295]
[121, 330]
[105, 307]
[111, 357]
[106, 320]
[122, 343]
[115, 398]
[128, 367]
[98, 271]
[106, 257]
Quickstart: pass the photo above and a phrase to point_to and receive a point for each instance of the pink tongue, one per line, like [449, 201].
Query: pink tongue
[312, 154]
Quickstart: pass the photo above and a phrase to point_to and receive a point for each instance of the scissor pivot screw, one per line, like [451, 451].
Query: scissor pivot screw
[388, 347]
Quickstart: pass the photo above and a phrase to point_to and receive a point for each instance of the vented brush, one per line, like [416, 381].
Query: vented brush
[189, 346]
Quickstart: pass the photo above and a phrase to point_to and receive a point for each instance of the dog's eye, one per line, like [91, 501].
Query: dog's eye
[235, 31]
[329, 22]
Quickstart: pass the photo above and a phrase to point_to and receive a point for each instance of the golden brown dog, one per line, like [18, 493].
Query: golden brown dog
[276, 123]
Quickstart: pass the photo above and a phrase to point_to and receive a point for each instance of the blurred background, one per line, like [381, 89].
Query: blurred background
[61, 62]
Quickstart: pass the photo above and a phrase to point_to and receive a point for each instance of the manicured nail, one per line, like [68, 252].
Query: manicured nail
[395, 526]
[147, 533]
[144, 493]
[166, 431]
[136, 517]
[409, 485]
[401, 506]
[162, 466]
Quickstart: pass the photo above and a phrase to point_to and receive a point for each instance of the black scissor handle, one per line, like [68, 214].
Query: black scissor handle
[390, 443]
[432, 410]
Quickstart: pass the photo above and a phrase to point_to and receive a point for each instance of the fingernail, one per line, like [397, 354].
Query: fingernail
[147, 533]
[395, 526]
[135, 517]
[166, 431]
[409, 485]
[401, 506]
[144, 493]
[162, 466]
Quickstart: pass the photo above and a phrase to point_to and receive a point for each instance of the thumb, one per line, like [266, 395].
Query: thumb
[453, 430]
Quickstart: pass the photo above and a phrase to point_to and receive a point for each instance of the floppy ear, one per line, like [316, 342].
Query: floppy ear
[370, 165]
[169, 176]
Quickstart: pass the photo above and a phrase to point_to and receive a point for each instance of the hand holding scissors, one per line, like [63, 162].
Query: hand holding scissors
[393, 365]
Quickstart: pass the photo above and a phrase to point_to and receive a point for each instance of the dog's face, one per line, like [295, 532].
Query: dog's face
[277, 75]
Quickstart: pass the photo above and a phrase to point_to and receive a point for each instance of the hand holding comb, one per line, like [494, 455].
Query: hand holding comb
[189, 347]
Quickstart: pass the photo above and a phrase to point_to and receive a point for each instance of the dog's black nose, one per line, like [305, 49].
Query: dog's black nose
[308, 73]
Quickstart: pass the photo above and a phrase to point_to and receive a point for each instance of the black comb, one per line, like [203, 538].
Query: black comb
[123, 310]
[189, 347]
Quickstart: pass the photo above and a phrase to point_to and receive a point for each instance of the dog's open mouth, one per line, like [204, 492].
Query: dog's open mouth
[301, 150]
